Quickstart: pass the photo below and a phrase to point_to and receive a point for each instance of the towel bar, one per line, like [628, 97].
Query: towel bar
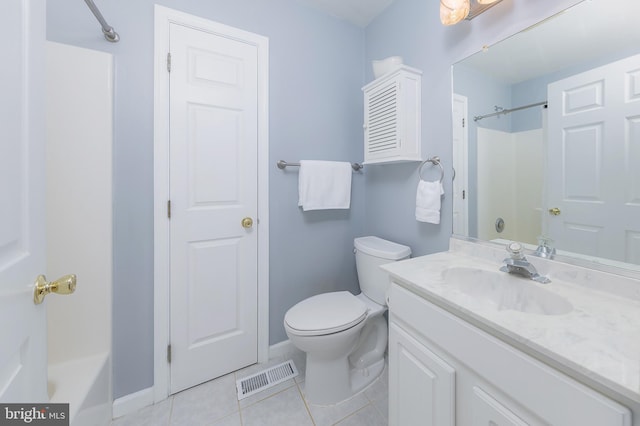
[282, 164]
[435, 160]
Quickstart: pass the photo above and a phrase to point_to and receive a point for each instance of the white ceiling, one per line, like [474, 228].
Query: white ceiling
[358, 12]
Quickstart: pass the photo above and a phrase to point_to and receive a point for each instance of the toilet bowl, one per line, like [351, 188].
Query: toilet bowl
[345, 336]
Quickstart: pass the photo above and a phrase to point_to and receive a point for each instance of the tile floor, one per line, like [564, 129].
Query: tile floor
[215, 403]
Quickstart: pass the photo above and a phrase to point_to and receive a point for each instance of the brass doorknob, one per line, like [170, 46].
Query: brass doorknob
[554, 211]
[247, 222]
[64, 285]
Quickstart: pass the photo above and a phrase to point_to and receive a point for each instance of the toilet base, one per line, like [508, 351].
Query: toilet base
[361, 378]
[328, 383]
[330, 379]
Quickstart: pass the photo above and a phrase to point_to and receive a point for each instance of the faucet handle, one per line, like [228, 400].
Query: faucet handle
[545, 247]
[515, 250]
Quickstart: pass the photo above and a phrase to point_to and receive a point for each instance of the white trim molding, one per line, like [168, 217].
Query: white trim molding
[133, 402]
[163, 18]
[281, 349]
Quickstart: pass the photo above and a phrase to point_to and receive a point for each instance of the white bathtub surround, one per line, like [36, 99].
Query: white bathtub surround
[74, 381]
[594, 339]
[79, 229]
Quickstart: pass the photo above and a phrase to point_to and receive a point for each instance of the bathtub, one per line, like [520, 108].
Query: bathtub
[84, 384]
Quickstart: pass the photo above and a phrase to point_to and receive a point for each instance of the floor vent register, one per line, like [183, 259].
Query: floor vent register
[265, 379]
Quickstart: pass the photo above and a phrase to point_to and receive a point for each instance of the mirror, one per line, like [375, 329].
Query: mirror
[551, 146]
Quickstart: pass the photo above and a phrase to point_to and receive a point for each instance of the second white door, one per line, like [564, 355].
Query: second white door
[213, 191]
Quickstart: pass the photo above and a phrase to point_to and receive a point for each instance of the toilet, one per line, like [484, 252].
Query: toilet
[345, 336]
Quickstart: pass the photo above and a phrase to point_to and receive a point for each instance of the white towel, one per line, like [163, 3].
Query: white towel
[428, 201]
[324, 185]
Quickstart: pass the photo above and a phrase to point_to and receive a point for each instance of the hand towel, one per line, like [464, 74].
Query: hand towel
[324, 185]
[428, 201]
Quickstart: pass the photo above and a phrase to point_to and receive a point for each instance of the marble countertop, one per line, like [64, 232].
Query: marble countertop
[597, 341]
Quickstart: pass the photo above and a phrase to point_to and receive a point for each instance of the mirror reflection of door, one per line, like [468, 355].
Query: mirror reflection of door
[460, 184]
[593, 156]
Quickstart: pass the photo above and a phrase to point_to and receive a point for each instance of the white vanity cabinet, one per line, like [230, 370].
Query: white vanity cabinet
[392, 117]
[423, 387]
[445, 371]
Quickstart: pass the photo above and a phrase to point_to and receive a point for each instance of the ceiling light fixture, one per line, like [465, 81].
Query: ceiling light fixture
[479, 6]
[454, 11]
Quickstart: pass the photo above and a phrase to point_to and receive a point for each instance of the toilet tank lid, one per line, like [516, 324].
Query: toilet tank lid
[378, 247]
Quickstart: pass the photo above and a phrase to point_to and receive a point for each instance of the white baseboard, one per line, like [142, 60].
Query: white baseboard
[280, 349]
[132, 402]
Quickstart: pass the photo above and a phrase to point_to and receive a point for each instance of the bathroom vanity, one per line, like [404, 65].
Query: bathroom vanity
[471, 345]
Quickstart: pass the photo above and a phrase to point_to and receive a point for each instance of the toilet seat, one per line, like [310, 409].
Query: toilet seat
[326, 313]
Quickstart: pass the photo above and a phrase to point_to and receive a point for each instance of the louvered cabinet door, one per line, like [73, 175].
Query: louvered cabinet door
[392, 105]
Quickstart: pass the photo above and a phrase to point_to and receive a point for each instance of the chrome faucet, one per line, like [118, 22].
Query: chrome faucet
[545, 247]
[516, 263]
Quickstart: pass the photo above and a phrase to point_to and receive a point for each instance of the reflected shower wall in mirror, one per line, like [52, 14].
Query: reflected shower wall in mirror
[569, 171]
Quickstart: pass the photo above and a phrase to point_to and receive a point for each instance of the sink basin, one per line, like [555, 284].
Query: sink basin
[503, 291]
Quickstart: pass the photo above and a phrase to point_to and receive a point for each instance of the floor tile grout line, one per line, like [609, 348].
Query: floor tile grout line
[353, 414]
[306, 404]
[240, 414]
[235, 380]
[380, 413]
[170, 409]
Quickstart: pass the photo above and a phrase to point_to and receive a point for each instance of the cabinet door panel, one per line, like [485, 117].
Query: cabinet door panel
[487, 411]
[426, 396]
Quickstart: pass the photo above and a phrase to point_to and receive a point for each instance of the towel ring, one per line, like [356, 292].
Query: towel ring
[435, 160]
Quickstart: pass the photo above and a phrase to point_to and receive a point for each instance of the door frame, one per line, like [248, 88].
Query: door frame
[461, 159]
[164, 17]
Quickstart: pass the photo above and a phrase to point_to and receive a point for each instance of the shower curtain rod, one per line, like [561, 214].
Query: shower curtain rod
[109, 33]
[507, 111]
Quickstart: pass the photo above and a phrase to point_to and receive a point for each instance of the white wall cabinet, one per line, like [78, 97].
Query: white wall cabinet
[392, 117]
[445, 371]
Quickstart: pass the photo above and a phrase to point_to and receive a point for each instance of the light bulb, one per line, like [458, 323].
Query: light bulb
[453, 11]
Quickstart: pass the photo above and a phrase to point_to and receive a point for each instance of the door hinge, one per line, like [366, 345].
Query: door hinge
[169, 354]
[463, 122]
[464, 194]
[169, 209]
[169, 62]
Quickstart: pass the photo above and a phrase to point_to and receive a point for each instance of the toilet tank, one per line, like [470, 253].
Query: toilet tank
[371, 252]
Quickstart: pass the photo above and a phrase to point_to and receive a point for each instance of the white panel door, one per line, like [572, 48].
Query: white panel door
[593, 157]
[460, 163]
[23, 356]
[421, 384]
[213, 187]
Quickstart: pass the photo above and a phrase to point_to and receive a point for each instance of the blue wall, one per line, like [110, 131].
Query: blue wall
[316, 72]
[317, 66]
[411, 28]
